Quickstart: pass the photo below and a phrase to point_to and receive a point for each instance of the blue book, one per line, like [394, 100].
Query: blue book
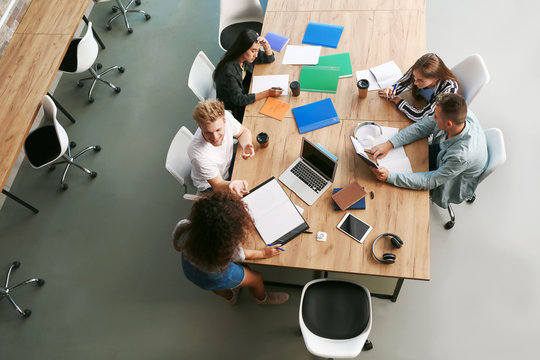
[322, 34]
[277, 42]
[360, 204]
[315, 115]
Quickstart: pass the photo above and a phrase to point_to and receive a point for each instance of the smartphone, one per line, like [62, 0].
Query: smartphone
[354, 227]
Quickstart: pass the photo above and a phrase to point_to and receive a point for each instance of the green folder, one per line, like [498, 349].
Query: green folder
[342, 61]
[317, 78]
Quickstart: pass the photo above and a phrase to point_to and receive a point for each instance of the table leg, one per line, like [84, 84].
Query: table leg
[96, 36]
[20, 201]
[392, 297]
[61, 108]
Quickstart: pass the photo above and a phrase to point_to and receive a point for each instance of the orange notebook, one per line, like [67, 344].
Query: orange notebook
[349, 195]
[275, 108]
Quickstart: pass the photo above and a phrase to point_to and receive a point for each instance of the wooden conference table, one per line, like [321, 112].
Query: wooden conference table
[374, 32]
[27, 68]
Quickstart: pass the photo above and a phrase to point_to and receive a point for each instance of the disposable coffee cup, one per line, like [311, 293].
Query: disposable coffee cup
[295, 88]
[363, 86]
[263, 139]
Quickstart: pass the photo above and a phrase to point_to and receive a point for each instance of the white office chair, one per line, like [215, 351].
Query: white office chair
[200, 79]
[335, 318]
[50, 142]
[235, 16]
[81, 55]
[472, 75]
[178, 163]
[496, 157]
[124, 10]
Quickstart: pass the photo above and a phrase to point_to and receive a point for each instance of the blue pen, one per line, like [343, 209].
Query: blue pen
[393, 89]
[277, 247]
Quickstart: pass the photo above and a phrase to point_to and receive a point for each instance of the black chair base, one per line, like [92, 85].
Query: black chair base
[6, 290]
[70, 160]
[124, 10]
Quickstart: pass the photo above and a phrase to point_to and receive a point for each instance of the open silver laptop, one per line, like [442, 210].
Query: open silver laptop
[311, 174]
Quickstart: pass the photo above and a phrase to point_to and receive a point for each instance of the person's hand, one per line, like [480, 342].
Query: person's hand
[270, 251]
[261, 40]
[386, 93]
[380, 151]
[275, 92]
[381, 173]
[248, 151]
[239, 187]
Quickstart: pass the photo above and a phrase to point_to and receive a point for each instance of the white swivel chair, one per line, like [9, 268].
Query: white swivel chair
[178, 163]
[124, 10]
[235, 16]
[201, 80]
[496, 157]
[50, 142]
[472, 74]
[335, 318]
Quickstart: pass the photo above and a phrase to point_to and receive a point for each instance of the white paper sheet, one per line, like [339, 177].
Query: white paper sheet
[301, 55]
[381, 76]
[265, 82]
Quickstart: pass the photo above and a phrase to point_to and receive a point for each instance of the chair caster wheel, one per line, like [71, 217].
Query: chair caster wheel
[147, 16]
[97, 148]
[130, 30]
[138, 2]
[40, 282]
[64, 186]
[109, 27]
[90, 100]
[449, 225]
[27, 313]
[114, 9]
[72, 144]
[471, 200]
[99, 66]
[367, 346]
[16, 264]
[93, 174]
[117, 90]
[121, 69]
[52, 167]
[80, 84]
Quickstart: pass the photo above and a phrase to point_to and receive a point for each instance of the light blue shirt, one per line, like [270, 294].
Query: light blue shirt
[461, 161]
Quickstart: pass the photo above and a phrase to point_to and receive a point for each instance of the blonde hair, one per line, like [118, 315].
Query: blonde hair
[208, 111]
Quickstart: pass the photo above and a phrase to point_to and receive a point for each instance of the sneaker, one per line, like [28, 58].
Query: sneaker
[276, 298]
[234, 299]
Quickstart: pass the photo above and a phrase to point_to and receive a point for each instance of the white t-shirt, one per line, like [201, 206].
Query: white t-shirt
[207, 160]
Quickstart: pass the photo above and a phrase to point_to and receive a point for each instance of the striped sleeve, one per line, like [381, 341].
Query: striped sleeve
[414, 114]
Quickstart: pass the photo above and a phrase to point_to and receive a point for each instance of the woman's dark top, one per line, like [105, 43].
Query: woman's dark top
[232, 90]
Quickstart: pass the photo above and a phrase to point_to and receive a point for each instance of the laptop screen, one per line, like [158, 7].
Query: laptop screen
[318, 159]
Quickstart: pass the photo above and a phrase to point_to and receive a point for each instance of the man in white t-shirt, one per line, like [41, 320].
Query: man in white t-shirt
[211, 150]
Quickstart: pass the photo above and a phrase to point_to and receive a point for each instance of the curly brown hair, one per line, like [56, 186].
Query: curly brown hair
[220, 222]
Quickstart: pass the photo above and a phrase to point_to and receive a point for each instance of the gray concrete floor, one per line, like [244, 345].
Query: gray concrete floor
[114, 287]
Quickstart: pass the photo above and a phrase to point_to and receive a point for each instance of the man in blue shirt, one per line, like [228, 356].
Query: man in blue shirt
[458, 154]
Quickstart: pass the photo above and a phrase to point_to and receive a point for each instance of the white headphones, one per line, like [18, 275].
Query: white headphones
[367, 132]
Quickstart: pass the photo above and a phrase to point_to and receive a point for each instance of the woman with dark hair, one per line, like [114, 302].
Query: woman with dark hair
[427, 78]
[210, 241]
[233, 73]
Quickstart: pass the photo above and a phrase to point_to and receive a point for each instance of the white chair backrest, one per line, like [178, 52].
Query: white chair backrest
[87, 50]
[496, 151]
[200, 79]
[238, 11]
[49, 118]
[472, 74]
[177, 162]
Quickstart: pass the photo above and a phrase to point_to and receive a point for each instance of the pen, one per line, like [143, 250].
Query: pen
[277, 247]
[369, 152]
[392, 93]
[276, 88]
[308, 232]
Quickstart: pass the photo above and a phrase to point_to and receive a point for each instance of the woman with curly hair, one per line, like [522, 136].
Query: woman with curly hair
[210, 241]
[427, 79]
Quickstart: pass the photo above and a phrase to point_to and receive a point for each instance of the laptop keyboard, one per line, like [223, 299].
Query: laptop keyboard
[309, 177]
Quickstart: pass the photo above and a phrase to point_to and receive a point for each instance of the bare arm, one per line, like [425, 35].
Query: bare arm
[265, 253]
[239, 187]
[245, 139]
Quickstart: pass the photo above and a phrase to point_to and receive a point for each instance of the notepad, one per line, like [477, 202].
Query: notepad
[381, 76]
[276, 218]
[341, 61]
[276, 41]
[360, 204]
[265, 82]
[319, 79]
[322, 34]
[275, 108]
[301, 55]
[315, 115]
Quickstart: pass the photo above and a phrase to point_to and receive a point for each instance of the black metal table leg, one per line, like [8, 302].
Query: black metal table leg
[61, 108]
[392, 297]
[20, 201]
[95, 33]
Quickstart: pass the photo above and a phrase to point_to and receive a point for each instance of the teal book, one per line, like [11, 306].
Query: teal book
[317, 78]
[315, 115]
[341, 61]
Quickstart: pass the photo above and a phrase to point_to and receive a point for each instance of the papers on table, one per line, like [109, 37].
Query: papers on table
[381, 76]
[265, 82]
[276, 218]
[301, 55]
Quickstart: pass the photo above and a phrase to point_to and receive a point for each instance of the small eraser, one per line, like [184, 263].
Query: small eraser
[321, 236]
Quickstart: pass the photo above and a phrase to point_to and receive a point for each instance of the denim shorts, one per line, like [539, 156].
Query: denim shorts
[228, 279]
